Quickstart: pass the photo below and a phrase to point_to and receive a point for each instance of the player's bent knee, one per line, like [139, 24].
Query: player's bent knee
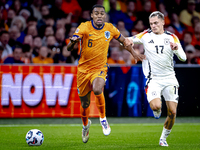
[97, 91]
[155, 104]
[155, 107]
[172, 113]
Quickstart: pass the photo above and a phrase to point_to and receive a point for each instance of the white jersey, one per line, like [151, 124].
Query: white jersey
[159, 55]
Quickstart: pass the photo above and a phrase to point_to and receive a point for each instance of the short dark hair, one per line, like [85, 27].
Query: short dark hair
[48, 17]
[26, 48]
[31, 18]
[4, 32]
[158, 14]
[97, 5]
[36, 36]
[17, 46]
[197, 47]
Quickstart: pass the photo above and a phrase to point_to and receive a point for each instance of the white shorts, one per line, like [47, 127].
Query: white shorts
[166, 87]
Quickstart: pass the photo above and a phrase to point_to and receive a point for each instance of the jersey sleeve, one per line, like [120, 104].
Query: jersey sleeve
[137, 39]
[80, 30]
[180, 52]
[116, 33]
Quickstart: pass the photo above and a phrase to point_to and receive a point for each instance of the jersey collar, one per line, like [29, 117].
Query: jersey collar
[96, 27]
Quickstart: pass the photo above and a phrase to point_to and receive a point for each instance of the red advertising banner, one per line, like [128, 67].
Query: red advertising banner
[40, 91]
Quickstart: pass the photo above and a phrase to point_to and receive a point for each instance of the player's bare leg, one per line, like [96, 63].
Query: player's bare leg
[171, 114]
[155, 105]
[169, 122]
[85, 110]
[98, 85]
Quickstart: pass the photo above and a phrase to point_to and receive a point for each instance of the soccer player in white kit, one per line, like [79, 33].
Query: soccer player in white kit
[160, 47]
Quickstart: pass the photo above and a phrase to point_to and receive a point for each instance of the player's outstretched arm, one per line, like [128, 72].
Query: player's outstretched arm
[136, 56]
[73, 41]
[128, 45]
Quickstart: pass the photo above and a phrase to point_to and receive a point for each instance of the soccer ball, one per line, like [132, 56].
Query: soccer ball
[34, 137]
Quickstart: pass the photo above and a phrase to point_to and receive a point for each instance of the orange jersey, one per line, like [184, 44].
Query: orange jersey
[95, 43]
[40, 61]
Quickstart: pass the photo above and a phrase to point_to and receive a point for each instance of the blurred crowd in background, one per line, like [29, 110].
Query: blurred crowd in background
[38, 31]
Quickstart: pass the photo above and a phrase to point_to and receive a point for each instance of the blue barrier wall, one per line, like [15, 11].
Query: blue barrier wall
[125, 94]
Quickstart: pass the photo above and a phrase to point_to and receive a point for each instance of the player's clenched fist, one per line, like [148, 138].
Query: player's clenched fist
[173, 46]
[127, 42]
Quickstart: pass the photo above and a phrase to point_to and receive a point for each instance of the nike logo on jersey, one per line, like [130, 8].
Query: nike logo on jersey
[151, 41]
[101, 73]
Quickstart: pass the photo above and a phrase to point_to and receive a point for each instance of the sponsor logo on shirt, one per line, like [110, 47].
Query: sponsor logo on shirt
[101, 73]
[151, 41]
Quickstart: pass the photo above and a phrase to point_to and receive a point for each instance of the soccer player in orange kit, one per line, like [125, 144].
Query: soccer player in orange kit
[92, 67]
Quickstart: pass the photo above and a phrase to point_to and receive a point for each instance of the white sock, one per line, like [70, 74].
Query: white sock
[165, 133]
[101, 119]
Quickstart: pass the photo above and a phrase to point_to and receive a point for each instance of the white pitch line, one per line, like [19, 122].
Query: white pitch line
[73, 125]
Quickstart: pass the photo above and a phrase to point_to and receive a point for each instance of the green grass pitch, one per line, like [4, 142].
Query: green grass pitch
[123, 137]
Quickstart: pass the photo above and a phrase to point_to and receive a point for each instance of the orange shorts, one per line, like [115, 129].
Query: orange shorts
[84, 81]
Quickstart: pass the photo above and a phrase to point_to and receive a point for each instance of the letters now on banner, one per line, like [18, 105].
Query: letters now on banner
[40, 91]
